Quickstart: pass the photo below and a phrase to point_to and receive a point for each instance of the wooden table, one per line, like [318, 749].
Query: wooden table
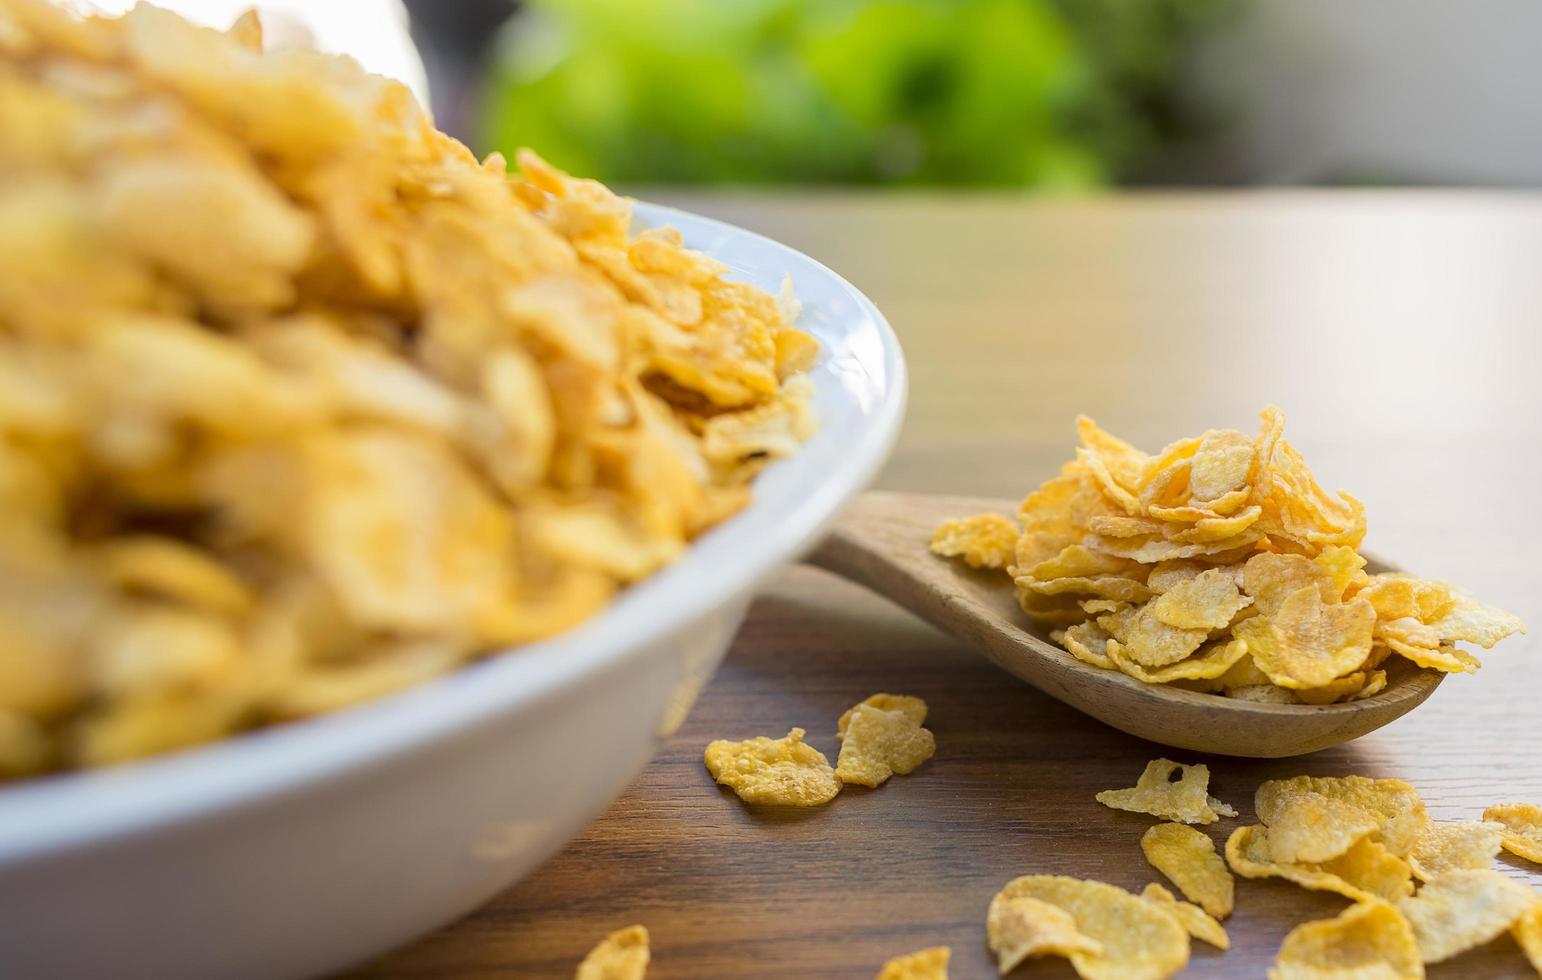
[1399, 331]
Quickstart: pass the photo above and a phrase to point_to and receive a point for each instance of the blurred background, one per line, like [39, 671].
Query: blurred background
[1037, 94]
[1042, 95]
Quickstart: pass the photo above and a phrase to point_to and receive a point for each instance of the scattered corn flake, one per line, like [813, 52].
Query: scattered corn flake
[983, 541]
[1017, 928]
[622, 955]
[927, 964]
[1207, 601]
[1522, 834]
[1185, 800]
[1528, 935]
[1139, 941]
[1403, 817]
[1196, 921]
[1463, 909]
[1366, 870]
[911, 707]
[1460, 846]
[774, 772]
[1188, 858]
[1370, 940]
[1309, 828]
[882, 736]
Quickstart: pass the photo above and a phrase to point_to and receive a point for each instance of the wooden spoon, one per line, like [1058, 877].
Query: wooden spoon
[881, 543]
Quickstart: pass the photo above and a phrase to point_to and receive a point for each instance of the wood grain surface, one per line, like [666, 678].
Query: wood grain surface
[1400, 333]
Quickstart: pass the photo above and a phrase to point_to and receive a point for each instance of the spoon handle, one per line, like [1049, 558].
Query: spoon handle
[881, 543]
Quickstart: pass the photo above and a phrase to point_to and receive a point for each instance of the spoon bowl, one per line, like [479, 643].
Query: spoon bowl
[881, 542]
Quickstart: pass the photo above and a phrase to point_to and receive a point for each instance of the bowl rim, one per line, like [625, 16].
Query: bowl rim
[67, 811]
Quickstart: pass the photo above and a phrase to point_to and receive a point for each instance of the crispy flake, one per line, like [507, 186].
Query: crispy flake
[774, 772]
[1017, 928]
[928, 964]
[622, 955]
[1188, 858]
[1522, 834]
[1207, 601]
[1088, 642]
[1367, 870]
[882, 736]
[1461, 846]
[983, 541]
[1463, 909]
[1195, 920]
[1368, 941]
[1403, 817]
[1211, 661]
[1139, 941]
[1185, 800]
[1310, 828]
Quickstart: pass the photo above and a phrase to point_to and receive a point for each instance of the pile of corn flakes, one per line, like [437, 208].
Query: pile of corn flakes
[1219, 565]
[301, 404]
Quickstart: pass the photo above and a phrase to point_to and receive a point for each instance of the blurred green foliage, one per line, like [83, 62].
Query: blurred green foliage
[1040, 93]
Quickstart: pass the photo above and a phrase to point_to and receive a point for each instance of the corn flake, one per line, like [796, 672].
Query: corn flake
[1460, 846]
[882, 736]
[1017, 928]
[1207, 601]
[623, 955]
[928, 964]
[1396, 803]
[1366, 870]
[1139, 940]
[774, 772]
[1522, 834]
[1369, 939]
[1312, 828]
[1463, 909]
[1212, 661]
[1088, 642]
[1185, 800]
[983, 541]
[1196, 921]
[1188, 857]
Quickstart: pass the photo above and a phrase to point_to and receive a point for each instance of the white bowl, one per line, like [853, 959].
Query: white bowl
[304, 848]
